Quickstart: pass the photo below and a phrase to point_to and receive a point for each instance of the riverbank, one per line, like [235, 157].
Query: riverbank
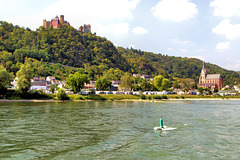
[123, 100]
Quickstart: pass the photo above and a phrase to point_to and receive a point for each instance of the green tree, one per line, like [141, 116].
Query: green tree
[53, 88]
[103, 84]
[146, 85]
[165, 84]
[161, 83]
[158, 82]
[200, 89]
[189, 83]
[126, 81]
[61, 94]
[5, 80]
[136, 87]
[76, 81]
[176, 84]
[207, 90]
[24, 76]
[215, 90]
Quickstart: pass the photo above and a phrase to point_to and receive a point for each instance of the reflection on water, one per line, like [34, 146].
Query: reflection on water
[119, 130]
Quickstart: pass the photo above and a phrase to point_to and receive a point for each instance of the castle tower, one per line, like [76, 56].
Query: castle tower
[61, 19]
[203, 74]
[87, 28]
[44, 23]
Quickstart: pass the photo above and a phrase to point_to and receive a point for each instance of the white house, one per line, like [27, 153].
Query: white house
[39, 85]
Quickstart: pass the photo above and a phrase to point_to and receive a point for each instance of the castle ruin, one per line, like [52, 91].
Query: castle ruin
[85, 28]
[56, 22]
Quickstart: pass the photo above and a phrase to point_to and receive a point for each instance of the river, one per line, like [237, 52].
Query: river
[120, 130]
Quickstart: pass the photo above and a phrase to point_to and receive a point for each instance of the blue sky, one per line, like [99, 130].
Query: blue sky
[205, 29]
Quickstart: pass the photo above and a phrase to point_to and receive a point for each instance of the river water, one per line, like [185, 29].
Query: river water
[120, 130]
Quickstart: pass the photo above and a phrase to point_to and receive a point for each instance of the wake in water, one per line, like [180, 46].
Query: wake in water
[165, 128]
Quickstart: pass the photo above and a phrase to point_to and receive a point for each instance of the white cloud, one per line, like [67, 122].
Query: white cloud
[230, 31]
[226, 8]
[105, 16]
[183, 42]
[175, 10]
[139, 30]
[221, 46]
[170, 49]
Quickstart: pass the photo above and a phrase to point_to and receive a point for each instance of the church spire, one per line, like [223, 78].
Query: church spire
[204, 70]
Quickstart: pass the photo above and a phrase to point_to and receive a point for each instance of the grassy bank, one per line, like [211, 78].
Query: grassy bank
[12, 95]
[201, 97]
[102, 97]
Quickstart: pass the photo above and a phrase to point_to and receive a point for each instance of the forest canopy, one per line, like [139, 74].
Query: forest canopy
[63, 51]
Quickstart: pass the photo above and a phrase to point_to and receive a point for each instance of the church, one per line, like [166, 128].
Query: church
[210, 80]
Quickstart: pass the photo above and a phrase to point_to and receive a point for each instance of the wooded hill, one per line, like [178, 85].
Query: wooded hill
[59, 52]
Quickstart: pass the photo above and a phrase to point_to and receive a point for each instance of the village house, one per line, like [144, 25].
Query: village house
[14, 83]
[144, 76]
[90, 86]
[136, 75]
[115, 85]
[38, 83]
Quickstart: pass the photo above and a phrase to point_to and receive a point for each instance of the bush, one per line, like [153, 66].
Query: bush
[149, 97]
[164, 97]
[182, 97]
[111, 98]
[61, 94]
[142, 96]
[157, 97]
[79, 97]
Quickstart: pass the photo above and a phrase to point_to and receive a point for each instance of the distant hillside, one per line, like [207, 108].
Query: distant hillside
[93, 55]
[65, 45]
[171, 66]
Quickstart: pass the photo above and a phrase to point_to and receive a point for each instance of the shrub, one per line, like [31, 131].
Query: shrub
[182, 97]
[157, 97]
[79, 97]
[149, 97]
[111, 98]
[142, 96]
[61, 94]
[164, 97]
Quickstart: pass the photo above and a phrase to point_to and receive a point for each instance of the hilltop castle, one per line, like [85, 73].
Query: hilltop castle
[210, 80]
[56, 22]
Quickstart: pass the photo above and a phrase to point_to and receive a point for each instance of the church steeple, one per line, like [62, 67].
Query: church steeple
[203, 74]
[204, 70]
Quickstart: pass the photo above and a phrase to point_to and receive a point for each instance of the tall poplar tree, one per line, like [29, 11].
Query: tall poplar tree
[127, 82]
[24, 76]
